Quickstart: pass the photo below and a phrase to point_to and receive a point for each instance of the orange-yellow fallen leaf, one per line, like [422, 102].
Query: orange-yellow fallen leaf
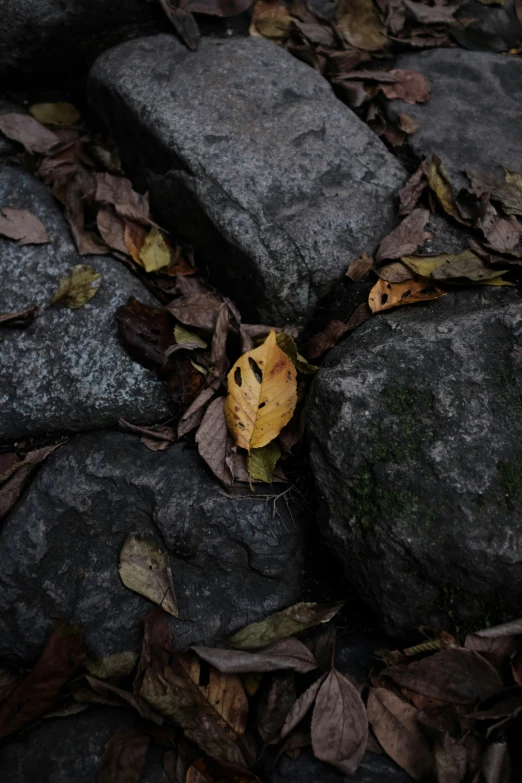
[385, 295]
[262, 395]
[270, 19]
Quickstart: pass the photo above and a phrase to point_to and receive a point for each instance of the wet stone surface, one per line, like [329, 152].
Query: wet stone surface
[276, 182]
[67, 371]
[416, 452]
[233, 561]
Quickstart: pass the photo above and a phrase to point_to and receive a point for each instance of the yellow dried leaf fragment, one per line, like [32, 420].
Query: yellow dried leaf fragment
[60, 113]
[262, 395]
[385, 295]
[155, 253]
[76, 290]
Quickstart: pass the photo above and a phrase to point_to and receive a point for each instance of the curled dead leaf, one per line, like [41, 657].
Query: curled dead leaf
[22, 225]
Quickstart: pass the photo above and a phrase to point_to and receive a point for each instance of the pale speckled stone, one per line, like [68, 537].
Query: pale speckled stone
[67, 371]
[473, 119]
[233, 561]
[416, 438]
[249, 155]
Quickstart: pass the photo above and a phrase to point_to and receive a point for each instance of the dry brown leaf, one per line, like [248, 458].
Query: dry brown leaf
[262, 395]
[339, 724]
[395, 725]
[197, 306]
[411, 87]
[60, 113]
[111, 228]
[395, 272]
[87, 242]
[454, 675]
[124, 757]
[20, 319]
[146, 570]
[302, 707]
[407, 124]
[321, 342]
[118, 192]
[61, 657]
[215, 444]
[406, 238]
[79, 288]
[360, 268]
[22, 225]
[282, 624]
[223, 691]
[503, 234]
[27, 131]
[172, 693]
[283, 654]
[413, 189]
[385, 295]
[360, 24]
[17, 474]
[275, 705]
[157, 437]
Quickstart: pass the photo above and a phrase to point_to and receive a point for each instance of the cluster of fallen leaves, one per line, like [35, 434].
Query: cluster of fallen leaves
[444, 712]
[488, 212]
[355, 50]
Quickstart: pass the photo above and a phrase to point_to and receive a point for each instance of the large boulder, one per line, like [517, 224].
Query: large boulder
[70, 750]
[249, 155]
[415, 435]
[67, 371]
[233, 560]
[473, 119]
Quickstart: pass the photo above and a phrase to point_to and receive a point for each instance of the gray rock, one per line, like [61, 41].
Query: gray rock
[249, 154]
[67, 371]
[307, 769]
[232, 561]
[70, 750]
[493, 27]
[51, 40]
[473, 119]
[415, 445]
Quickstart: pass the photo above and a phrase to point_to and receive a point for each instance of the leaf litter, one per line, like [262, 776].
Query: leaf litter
[424, 703]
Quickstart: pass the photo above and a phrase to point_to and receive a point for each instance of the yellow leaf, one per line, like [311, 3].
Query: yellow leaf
[282, 624]
[224, 693]
[263, 461]
[262, 395]
[446, 266]
[287, 344]
[185, 336]
[360, 24]
[55, 113]
[271, 20]
[155, 253]
[407, 124]
[385, 295]
[75, 290]
[146, 570]
[440, 183]
[116, 665]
